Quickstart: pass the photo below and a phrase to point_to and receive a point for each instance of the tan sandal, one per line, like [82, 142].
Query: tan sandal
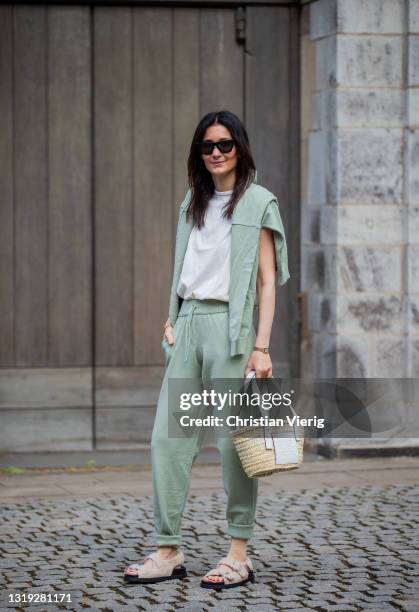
[157, 571]
[238, 574]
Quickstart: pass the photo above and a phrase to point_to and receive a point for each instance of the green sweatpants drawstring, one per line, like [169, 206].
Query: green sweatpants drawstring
[188, 330]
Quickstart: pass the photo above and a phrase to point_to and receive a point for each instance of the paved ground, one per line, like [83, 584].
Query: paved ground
[102, 458]
[340, 535]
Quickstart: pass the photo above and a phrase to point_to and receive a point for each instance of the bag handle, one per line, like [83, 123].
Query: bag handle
[251, 380]
[285, 451]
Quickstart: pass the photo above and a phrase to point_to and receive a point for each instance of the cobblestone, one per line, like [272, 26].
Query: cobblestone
[337, 548]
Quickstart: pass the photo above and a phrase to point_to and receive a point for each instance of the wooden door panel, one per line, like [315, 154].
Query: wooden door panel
[46, 230]
[30, 231]
[7, 294]
[157, 70]
[221, 63]
[269, 112]
[69, 187]
[153, 176]
[186, 104]
[46, 201]
[113, 186]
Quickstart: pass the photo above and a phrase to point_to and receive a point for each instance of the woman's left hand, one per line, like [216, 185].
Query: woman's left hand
[261, 363]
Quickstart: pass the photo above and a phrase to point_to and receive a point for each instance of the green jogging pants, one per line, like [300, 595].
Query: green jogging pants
[201, 351]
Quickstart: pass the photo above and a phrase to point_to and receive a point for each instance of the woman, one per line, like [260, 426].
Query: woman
[230, 246]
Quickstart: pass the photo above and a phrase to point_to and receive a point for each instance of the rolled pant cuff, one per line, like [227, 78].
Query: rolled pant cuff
[168, 540]
[244, 532]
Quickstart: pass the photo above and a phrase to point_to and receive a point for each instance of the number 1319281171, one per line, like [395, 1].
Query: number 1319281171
[39, 597]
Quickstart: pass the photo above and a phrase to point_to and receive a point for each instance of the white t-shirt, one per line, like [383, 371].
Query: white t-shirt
[206, 266]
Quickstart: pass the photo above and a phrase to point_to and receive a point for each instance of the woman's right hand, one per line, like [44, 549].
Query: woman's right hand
[168, 334]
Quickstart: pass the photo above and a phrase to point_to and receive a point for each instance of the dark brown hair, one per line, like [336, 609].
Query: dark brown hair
[200, 179]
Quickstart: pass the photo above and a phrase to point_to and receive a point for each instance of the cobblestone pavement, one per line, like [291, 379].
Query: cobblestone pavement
[335, 548]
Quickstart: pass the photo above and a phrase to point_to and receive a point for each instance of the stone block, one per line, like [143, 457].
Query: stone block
[413, 76]
[325, 63]
[353, 357]
[370, 108]
[322, 312]
[332, 169]
[324, 109]
[364, 225]
[370, 166]
[375, 313]
[310, 224]
[389, 357]
[341, 356]
[414, 16]
[413, 224]
[323, 18]
[413, 107]
[412, 170]
[370, 16]
[329, 216]
[414, 358]
[318, 158]
[369, 61]
[413, 267]
[414, 314]
[318, 269]
[370, 269]
[324, 355]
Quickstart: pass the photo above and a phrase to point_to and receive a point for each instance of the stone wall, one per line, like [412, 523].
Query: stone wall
[360, 192]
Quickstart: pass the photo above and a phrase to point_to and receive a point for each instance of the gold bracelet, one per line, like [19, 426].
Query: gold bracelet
[262, 350]
[167, 325]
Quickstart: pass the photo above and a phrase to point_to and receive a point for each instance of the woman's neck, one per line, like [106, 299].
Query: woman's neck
[225, 183]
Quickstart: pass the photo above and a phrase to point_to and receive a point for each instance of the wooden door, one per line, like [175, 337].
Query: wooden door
[157, 70]
[97, 110]
[46, 262]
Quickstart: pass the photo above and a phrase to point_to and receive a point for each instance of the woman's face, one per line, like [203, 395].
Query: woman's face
[219, 164]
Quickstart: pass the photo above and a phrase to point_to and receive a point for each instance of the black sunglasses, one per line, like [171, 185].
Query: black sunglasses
[224, 146]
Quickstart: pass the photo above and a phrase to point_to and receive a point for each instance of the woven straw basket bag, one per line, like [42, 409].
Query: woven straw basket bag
[262, 454]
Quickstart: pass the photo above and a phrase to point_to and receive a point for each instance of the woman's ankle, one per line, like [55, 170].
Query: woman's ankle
[167, 551]
[238, 549]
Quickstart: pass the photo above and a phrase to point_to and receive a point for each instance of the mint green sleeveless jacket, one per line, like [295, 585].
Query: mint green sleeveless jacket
[257, 208]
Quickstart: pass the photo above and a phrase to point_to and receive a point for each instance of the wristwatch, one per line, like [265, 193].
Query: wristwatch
[262, 350]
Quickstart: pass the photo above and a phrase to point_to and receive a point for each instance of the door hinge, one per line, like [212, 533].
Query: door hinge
[240, 16]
